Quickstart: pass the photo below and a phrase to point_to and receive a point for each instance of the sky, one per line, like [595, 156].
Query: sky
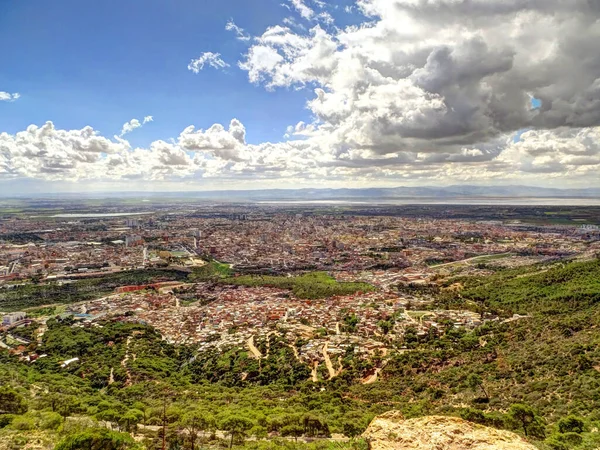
[193, 95]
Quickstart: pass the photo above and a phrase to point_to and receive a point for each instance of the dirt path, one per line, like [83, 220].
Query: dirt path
[525, 275]
[124, 362]
[295, 350]
[313, 373]
[373, 378]
[475, 258]
[40, 332]
[111, 378]
[330, 369]
[340, 364]
[250, 343]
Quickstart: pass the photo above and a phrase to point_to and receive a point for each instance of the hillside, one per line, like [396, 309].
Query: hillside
[543, 368]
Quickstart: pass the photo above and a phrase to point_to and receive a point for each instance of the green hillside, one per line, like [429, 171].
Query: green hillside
[543, 368]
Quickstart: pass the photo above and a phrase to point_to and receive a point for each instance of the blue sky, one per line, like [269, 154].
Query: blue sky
[348, 93]
[102, 63]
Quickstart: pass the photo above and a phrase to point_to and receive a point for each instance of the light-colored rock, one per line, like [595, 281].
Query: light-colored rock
[389, 431]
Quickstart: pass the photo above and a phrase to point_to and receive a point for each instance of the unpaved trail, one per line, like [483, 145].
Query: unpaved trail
[373, 378]
[250, 343]
[525, 275]
[111, 378]
[330, 368]
[313, 373]
[295, 350]
[40, 333]
[124, 362]
[409, 318]
[466, 261]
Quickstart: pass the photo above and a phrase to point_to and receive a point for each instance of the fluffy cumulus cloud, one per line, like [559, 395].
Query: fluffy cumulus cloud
[420, 91]
[210, 59]
[8, 97]
[442, 86]
[133, 124]
[45, 152]
[574, 151]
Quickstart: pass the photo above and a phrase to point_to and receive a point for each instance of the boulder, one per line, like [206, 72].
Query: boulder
[390, 431]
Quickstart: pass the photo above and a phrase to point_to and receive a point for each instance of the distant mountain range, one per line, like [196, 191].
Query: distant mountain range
[400, 193]
[403, 193]
[449, 192]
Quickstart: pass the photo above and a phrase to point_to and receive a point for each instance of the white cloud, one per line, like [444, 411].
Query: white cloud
[134, 124]
[308, 13]
[304, 11]
[421, 92]
[560, 151]
[291, 22]
[45, 152]
[128, 127]
[8, 97]
[223, 153]
[208, 58]
[241, 35]
[437, 82]
[216, 141]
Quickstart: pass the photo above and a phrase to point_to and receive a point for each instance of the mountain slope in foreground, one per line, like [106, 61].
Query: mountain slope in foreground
[389, 431]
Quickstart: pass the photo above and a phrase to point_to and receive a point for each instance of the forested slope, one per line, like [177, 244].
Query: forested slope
[538, 375]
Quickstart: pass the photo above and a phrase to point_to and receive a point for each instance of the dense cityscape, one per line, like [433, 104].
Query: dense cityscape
[397, 260]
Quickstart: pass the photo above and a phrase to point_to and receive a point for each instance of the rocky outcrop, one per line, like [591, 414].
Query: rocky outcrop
[390, 431]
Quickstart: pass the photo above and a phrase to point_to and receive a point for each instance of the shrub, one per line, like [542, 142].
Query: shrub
[571, 424]
[6, 419]
[23, 423]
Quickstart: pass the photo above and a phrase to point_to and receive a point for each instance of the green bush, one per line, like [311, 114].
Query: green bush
[50, 420]
[564, 441]
[571, 424]
[98, 439]
[23, 423]
[6, 419]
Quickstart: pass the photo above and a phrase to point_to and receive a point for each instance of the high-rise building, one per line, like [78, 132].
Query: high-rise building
[132, 223]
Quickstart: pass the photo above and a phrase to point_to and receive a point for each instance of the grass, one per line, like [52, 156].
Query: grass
[214, 270]
[314, 285]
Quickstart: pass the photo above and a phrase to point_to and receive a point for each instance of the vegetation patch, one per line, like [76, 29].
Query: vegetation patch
[34, 295]
[313, 285]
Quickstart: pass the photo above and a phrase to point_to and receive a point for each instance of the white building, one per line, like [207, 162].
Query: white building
[12, 318]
